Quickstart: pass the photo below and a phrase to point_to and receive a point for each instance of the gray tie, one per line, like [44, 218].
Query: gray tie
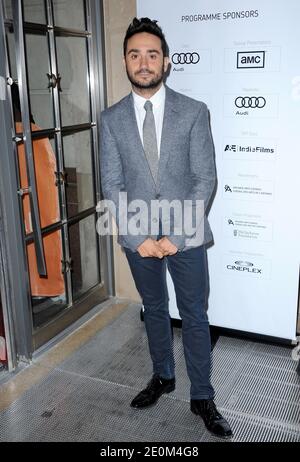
[149, 139]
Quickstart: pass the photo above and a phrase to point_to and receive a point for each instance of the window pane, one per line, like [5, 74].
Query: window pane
[34, 11]
[73, 69]
[8, 9]
[78, 165]
[69, 14]
[48, 294]
[38, 66]
[45, 168]
[13, 73]
[84, 255]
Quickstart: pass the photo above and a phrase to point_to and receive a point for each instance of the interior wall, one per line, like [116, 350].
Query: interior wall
[117, 16]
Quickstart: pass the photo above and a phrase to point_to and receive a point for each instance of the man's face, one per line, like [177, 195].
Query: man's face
[144, 61]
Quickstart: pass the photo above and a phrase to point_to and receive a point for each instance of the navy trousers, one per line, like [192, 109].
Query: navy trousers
[189, 273]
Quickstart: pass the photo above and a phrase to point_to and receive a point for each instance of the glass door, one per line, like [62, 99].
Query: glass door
[53, 73]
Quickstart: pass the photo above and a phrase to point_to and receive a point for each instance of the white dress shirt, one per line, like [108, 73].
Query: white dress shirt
[158, 101]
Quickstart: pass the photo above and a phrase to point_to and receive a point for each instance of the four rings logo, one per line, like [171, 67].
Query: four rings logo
[250, 102]
[185, 58]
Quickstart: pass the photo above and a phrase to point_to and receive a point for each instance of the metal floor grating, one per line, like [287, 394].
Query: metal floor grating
[87, 397]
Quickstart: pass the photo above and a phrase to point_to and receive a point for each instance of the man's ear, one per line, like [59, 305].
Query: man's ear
[166, 63]
[124, 61]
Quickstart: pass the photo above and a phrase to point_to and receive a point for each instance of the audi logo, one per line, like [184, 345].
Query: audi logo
[185, 58]
[250, 102]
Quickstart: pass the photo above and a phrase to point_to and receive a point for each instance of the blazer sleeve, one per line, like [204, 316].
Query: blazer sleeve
[202, 170]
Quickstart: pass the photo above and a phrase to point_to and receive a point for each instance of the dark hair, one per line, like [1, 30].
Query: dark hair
[149, 26]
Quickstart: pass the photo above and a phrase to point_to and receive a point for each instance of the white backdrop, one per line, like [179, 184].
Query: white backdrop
[245, 54]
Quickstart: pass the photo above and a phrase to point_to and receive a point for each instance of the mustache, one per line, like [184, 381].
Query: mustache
[144, 70]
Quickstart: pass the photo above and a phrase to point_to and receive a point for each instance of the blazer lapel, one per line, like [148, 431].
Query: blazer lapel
[132, 128]
[131, 125]
[170, 124]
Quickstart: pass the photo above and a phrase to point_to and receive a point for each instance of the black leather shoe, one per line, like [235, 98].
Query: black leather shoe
[213, 420]
[155, 388]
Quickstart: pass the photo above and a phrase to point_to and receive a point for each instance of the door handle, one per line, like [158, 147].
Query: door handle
[54, 81]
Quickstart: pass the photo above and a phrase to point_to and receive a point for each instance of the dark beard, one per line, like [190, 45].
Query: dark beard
[154, 83]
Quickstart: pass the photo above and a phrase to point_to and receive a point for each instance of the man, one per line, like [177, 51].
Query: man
[156, 145]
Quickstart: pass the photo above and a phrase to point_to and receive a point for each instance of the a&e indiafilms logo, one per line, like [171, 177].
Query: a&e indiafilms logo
[251, 148]
[235, 148]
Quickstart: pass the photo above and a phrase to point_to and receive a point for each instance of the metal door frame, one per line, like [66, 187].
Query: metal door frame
[14, 283]
[18, 316]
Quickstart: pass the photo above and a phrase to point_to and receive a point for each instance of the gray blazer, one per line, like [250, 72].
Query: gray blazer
[186, 164]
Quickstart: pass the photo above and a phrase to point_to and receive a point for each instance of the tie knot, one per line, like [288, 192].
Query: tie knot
[148, 106]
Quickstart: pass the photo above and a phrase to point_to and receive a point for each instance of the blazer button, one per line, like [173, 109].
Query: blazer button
[154, 220]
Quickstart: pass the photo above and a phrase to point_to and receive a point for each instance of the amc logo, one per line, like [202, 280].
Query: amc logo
[250, 59]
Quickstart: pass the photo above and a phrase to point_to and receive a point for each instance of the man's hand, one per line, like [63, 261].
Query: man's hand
[167, 247]
[150, 248]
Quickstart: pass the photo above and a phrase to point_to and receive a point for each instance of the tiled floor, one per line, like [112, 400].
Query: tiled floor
[85, 395]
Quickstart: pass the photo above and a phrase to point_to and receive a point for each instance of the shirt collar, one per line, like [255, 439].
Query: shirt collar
[157, 99]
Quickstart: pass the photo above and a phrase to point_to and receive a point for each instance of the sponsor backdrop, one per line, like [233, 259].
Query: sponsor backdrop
[242, 60]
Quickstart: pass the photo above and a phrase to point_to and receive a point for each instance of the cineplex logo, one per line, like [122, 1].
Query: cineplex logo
[138, 217]
[244, 267]
[250, 59]
[186, 58]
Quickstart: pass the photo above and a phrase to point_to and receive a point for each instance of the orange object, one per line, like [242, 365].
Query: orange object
[45, 167]
[3, 355]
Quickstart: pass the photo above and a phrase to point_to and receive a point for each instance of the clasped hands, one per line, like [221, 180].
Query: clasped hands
[159, 249]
